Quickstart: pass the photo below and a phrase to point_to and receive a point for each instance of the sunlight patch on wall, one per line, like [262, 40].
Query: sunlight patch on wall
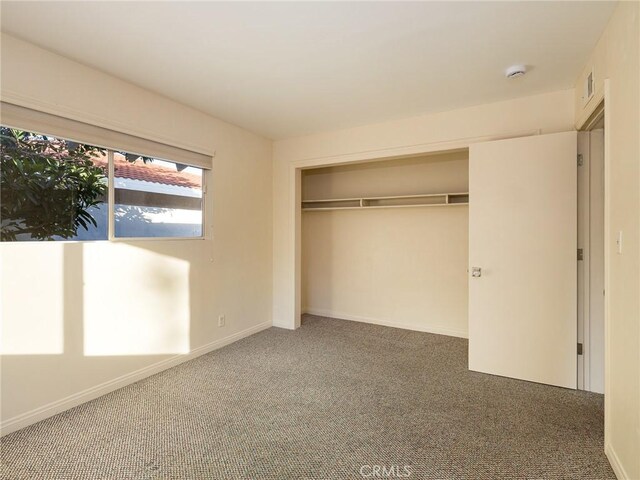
[136, 301]
[31, 299]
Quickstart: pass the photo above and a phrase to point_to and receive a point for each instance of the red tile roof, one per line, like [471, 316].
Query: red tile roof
[150, 172]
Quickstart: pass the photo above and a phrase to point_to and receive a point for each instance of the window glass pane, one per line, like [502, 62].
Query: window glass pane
[51, 188]
[156, 198]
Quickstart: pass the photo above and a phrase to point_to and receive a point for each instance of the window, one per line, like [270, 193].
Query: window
[51, 188]
[156, 198]
[57, 189]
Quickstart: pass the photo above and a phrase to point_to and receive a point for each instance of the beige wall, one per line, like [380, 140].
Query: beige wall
[404, 267]
[616, 58]
[81, 316]
[552, 112]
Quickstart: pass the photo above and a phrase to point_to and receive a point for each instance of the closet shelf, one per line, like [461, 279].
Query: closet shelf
[396, 201]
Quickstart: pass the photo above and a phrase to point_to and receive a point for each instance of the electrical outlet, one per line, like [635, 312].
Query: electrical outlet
[221, 321]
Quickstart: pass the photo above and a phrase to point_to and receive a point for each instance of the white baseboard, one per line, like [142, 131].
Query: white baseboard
[283, 325]
[46, 411]
[451, 332]
[617, 467]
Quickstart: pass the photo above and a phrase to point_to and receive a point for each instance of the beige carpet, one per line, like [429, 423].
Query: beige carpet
[332, 400]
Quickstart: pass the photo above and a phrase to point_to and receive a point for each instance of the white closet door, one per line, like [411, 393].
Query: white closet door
[523, 236]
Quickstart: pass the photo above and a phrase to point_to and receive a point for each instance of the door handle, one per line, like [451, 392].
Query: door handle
[476, 272]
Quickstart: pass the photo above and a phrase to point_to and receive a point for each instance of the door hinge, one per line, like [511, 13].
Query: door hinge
[580, 160]
[580, 254]
[579, 349]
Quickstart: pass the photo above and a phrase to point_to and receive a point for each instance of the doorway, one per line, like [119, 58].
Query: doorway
[591, 254]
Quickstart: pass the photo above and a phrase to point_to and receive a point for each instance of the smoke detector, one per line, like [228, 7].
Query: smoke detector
[515, 71]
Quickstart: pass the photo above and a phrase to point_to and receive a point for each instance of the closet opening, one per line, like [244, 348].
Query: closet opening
[386, 242]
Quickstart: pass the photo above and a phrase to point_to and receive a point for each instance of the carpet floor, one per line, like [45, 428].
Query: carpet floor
[332, 400]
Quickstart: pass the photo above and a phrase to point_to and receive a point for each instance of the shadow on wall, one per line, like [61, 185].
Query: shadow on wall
[136, 302]
[93, 299]
[76, 316]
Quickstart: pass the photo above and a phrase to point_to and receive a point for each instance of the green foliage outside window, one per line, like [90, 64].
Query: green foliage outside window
[47, 185]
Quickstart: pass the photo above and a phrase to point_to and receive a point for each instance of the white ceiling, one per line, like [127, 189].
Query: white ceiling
[287, 69]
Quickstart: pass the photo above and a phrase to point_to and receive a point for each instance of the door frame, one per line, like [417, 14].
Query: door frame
[605, 98]
[607, 259]
[584, 200]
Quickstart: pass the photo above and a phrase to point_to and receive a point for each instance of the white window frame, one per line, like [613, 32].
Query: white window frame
[111, 204]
